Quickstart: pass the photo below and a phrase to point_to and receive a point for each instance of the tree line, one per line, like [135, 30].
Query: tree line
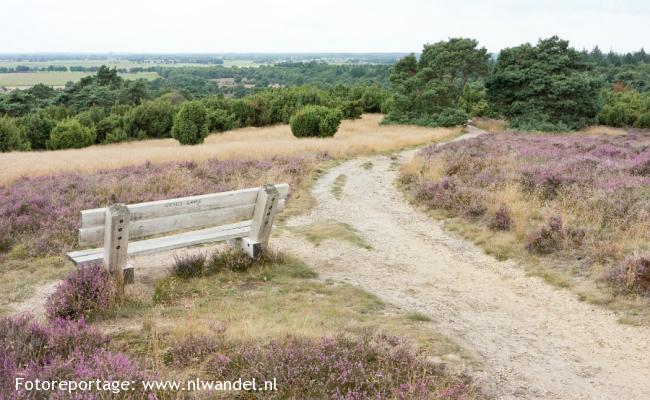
[548, 86]
[105, 108]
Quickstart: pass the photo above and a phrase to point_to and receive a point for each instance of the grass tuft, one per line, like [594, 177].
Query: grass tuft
[320, 231]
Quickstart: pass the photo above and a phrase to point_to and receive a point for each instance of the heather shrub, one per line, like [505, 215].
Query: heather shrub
[336, 368]
[633, 274]
[501, 219]
[70, 134]
[187, 351]
[11, 136]
[547, 239]
[190, 123]
[189, 266]
[61, 350]
[317, 121]
[234, 259]
[84, 293]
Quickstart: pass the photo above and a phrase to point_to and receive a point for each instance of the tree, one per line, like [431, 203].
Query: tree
[428, 91]
[70, 134]
[37, 128]
[545, 87]
[11, 136]
[457, 57]
[190, 123]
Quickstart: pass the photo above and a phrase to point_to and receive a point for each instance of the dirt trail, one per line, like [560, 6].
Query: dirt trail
[535, 341]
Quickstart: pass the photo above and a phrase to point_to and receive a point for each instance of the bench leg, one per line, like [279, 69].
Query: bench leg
[265, 209]
[116, 241]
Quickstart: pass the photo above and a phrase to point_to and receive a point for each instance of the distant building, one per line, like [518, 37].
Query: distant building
[275, 85]
[224, 82]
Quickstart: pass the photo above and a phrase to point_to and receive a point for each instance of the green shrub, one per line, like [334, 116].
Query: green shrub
[108, 126]
[352, 109]
[451, 117]
[625, 107]
[37, 128]
[69, 133]
[91, 117]
[151, 119]
[316, 121]
[116, 136]
[11, 136]
[373, 98]
[191, 123]
[221, 120]
[643, 121]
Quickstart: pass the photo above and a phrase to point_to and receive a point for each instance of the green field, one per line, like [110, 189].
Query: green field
[120, 64]
[28, 79]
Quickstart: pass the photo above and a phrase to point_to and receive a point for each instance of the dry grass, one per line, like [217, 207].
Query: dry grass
[489, 124]
[262, 303]
[337, 186]
[603, 130]
[320, 231]
[362, 136]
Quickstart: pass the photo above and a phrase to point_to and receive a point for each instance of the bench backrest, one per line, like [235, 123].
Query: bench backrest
[165, 216]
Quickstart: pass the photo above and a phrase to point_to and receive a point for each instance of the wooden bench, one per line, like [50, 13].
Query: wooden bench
[244, 217]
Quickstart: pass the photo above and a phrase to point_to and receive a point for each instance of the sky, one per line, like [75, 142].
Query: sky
[204, 26]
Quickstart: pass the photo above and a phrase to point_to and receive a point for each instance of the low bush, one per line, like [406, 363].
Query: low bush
[501, 219]
[633, 274]
[62, 350]
[70, 134]
[11, 136]
[317, 121]
[84, 293]
[221, 121]
[189, 266]
[547, 239]
[37, 128]
[625, 107]
[108, 126]
[337, 368]
[190, 124]
[151, 119]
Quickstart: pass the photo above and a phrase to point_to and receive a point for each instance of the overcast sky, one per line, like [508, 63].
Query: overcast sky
[313, 25]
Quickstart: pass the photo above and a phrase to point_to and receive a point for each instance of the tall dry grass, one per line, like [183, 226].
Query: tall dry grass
[362, 136]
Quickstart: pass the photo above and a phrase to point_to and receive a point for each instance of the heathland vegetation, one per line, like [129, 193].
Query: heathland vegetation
[274, 319]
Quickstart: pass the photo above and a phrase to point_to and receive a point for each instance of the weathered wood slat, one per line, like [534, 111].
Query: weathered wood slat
[216, 234]
[138, 229]
[163, 208]
[155, 226]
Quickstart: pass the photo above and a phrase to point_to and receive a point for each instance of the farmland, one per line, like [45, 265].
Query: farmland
[24, 80]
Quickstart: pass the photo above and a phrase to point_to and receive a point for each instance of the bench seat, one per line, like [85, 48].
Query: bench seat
[202, 236]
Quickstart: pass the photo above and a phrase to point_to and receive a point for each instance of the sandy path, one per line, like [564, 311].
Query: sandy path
[536, 342]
